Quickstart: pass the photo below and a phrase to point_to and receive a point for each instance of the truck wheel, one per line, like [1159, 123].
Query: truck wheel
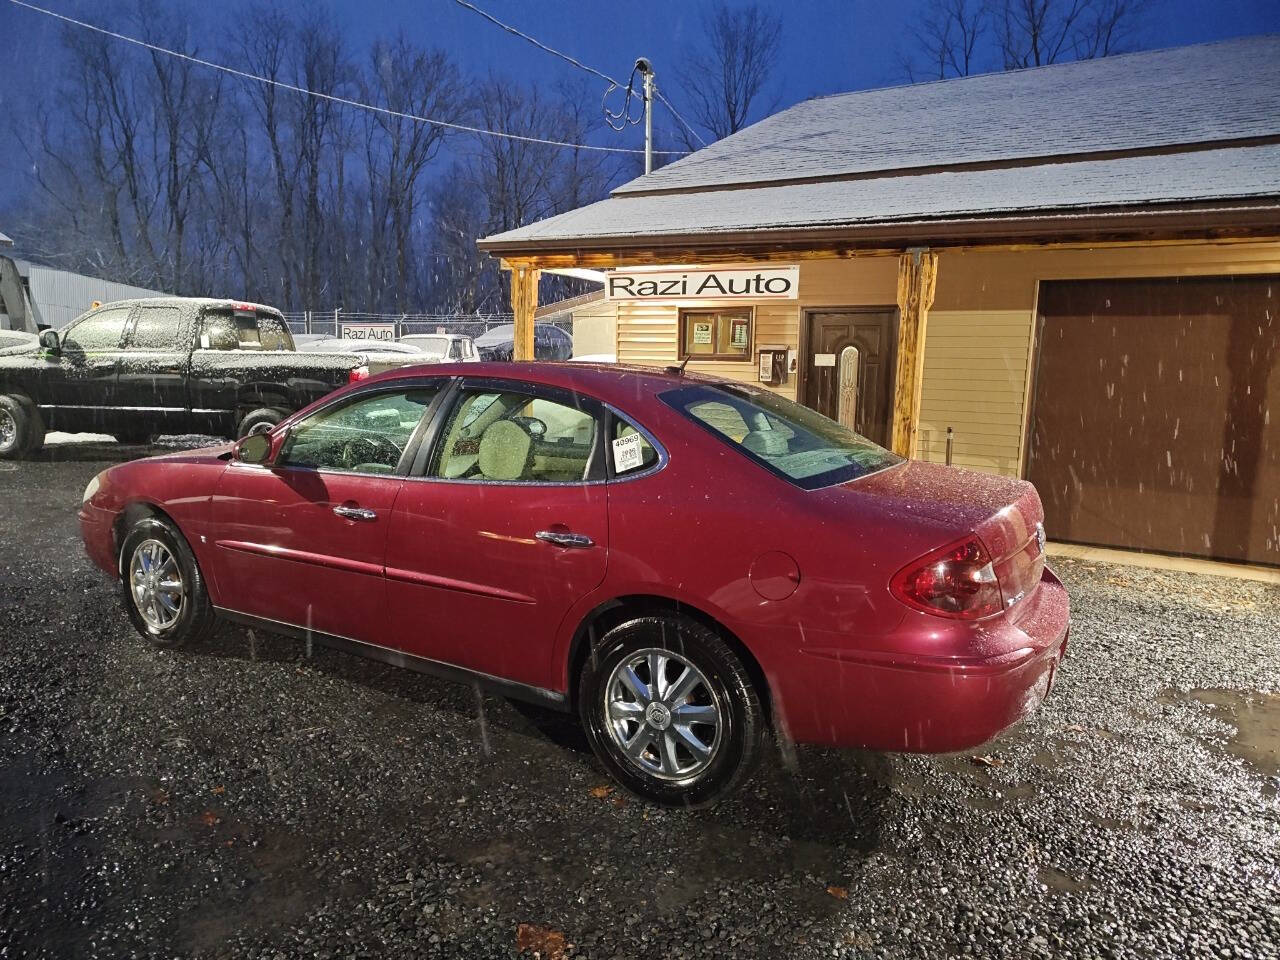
[134, 436]
[670, 711]
[21, 428]
[164, 591]
[260, 421]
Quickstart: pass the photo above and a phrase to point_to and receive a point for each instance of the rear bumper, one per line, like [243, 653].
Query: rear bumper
[97, 531]
[850, 697]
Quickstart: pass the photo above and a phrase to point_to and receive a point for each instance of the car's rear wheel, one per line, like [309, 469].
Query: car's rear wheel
[21, 428]
[671, 711]
[164, 590]
[260, 421]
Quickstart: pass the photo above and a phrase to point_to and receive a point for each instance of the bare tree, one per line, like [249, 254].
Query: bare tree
[724, 78]
[946, 40]
[1033, 33]
[413, 82]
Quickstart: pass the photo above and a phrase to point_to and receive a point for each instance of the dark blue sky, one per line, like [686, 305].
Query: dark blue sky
[828, 45]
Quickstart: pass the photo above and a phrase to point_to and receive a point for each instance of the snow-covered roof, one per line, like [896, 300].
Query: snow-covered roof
[1190, 125]
[1233, 173]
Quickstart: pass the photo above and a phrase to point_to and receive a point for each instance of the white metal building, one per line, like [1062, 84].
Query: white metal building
[34, 296]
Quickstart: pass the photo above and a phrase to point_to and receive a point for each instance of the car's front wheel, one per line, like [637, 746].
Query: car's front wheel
[164, 591]
[671, 711]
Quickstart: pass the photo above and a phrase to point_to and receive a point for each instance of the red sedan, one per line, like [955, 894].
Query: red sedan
[686, 562]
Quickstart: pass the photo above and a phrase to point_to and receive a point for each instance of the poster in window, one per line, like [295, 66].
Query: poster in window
[702, 332]
[740, 336]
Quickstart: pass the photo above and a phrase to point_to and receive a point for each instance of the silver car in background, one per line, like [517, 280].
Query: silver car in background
[444, 347]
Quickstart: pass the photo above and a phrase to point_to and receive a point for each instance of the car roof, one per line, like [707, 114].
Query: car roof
[604, 380]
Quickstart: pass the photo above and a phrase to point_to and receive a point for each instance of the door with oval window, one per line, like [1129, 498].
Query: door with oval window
[849, 367]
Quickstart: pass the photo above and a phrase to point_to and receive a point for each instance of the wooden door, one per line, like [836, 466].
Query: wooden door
[871, 332]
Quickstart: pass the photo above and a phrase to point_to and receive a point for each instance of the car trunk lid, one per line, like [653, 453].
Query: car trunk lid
[1003, 512]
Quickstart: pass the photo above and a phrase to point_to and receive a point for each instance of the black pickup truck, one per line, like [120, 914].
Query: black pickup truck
[137, 368]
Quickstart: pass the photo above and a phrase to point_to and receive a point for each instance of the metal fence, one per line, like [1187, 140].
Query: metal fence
[471, 325]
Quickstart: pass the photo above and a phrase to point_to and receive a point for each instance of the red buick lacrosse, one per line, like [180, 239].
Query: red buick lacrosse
[687, 563]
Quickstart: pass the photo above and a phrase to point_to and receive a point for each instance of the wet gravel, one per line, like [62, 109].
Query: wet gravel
[246, 800]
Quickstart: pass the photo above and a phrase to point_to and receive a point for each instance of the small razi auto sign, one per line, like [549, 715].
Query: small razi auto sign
[773, 283]
[368, 331]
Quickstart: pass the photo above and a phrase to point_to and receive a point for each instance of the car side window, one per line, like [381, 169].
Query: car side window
[514, 438]
[630, 456]
[367, 434]
[157, 328]
[98, 331]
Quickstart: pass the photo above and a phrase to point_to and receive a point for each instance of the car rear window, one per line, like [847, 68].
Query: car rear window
[796, 443]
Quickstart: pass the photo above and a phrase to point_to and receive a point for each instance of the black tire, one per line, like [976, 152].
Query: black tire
[260, 421]
[135, 436]
[195, 620]
[734, 745]
[21, 428]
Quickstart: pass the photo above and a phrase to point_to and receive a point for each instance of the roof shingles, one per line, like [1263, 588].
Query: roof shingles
[1192, 125]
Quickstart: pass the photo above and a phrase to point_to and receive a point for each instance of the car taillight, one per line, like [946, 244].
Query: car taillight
[957, 581]
[358, 374]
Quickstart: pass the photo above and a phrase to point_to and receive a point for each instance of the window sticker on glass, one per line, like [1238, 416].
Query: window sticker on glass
[739, 335]
[627, 453]
[702, 332]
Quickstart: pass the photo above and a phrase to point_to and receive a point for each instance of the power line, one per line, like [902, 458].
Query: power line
[610, 116]
[667, 103]
[538, 43]
[461, 127]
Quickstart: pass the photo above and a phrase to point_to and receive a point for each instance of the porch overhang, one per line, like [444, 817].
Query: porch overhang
[1244, 220]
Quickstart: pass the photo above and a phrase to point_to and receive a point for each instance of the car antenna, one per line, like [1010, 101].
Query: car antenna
[679, 370]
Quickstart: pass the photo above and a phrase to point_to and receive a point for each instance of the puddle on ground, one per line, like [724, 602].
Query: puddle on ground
[1256, 717]
[1055, 879]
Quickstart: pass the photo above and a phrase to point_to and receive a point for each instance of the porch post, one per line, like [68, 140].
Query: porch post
[524, 303]
[917, 278]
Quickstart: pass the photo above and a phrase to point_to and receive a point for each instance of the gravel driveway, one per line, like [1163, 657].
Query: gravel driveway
[251, 799]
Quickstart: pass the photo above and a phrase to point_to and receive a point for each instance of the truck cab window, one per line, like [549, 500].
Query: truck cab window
[157, 328]
[272, 334]
[244, 331]
[98, 331]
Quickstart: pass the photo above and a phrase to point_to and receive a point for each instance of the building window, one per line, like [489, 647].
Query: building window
[716, 334]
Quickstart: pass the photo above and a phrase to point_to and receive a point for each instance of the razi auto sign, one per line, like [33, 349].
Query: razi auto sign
[774, 283]
[368, 331]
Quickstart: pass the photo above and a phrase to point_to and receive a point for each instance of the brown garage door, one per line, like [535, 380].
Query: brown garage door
[1156, 417]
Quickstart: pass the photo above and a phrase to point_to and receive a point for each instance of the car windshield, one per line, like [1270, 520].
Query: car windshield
[796, 443]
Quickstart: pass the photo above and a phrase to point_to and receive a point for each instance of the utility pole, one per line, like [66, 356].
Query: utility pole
[646, 71]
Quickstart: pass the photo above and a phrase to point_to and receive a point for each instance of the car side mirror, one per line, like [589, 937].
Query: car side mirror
[255, 448]
[49, 340]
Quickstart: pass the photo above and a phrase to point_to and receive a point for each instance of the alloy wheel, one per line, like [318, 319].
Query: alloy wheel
[663, 715]
[155, 582]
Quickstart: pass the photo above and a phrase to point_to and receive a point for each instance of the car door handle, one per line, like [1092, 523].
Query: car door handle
[355, 513]
[560, 539]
